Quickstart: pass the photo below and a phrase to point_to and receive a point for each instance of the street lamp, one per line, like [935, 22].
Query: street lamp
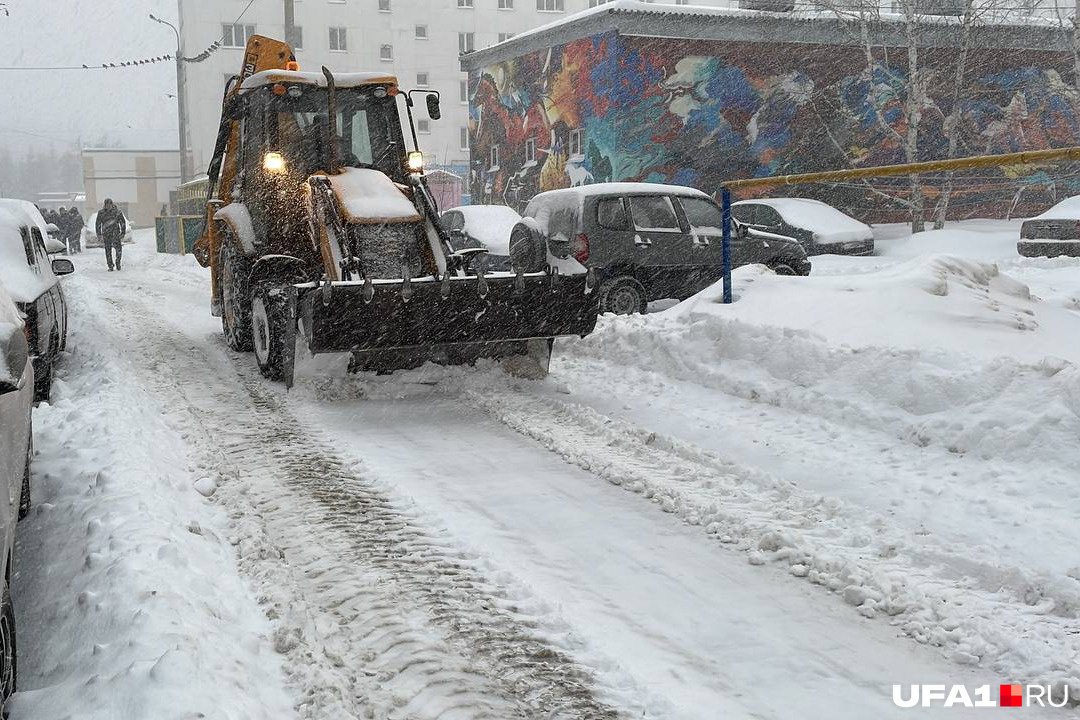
[185, 170]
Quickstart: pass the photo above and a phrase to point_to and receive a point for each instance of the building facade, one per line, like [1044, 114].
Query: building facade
[699, 96]
[138, 181]
[418, 40]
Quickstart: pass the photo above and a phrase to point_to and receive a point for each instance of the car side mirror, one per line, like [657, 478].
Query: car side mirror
[62, 266]
[433, 110]
[15, 352]
[52, 245]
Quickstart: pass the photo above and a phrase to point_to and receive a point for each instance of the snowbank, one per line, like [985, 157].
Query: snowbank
[1067, 209]
[126, 589]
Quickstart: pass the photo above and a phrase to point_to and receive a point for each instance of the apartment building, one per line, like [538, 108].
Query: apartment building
[418, 40]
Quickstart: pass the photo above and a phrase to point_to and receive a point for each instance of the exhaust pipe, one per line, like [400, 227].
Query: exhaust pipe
[331, 124]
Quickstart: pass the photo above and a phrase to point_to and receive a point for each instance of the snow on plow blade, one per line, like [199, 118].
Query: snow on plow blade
[395, 315]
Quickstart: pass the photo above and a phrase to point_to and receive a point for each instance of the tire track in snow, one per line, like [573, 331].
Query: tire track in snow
[378, 617]
[872, 565]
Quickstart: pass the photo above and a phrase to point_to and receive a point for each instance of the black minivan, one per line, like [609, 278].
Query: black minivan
[647, 241]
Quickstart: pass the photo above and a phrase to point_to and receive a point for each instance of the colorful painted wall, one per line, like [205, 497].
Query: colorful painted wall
[700, 112]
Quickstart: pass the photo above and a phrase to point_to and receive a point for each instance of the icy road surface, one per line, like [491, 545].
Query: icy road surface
[452, 544]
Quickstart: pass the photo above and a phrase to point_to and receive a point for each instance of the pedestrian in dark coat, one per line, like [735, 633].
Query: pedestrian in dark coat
[74, 230]
[111, 227]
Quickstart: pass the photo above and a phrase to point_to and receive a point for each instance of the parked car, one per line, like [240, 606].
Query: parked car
[486, 226]
[16, 447]
[645, 241]
[821, 228]
[1054, 233]
[90, 238]
[32, 281]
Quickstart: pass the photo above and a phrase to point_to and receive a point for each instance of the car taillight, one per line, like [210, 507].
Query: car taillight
[581, 247]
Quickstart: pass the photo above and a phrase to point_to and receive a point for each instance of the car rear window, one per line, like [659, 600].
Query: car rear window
[611, 214]
[653, 212]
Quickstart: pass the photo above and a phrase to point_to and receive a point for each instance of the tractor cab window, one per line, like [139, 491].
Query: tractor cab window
[368, 132]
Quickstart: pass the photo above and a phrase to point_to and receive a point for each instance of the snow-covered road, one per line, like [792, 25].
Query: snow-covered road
[450, 543]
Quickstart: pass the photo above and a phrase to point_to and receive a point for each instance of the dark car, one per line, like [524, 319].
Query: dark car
[16, 402]
[646, 241]
[821, 228]
[32, 281]
[1054, 233]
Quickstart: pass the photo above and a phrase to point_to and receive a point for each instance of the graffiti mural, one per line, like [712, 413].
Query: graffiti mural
[608, 107]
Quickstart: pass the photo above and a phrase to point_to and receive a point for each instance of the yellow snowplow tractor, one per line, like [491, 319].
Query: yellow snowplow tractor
[324, 230]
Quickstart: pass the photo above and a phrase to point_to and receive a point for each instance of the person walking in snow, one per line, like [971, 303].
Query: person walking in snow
[74, 229]
[111, 227]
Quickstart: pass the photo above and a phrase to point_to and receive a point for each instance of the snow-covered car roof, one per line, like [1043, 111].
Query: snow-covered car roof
[810, 214]
[29, 210]
[1067, 209]
[344, 80]
[23, 283]
[624, 188]
[490, 225]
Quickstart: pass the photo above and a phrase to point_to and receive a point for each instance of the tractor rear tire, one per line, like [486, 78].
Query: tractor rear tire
[268, 319]
[235, 295]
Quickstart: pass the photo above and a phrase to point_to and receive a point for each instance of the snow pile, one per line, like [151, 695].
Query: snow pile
[940, 354]
[369, 196]
[126, 589]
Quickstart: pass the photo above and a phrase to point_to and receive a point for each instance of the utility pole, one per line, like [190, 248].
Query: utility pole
[181, 103]
[290, 23]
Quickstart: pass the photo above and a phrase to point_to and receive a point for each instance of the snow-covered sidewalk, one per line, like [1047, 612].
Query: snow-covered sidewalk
[128, 597]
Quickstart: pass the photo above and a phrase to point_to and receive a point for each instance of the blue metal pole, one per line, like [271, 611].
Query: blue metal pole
[725, 207]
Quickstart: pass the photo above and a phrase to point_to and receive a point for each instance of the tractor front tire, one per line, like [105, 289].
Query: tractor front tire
[235, 296]
[268, 319]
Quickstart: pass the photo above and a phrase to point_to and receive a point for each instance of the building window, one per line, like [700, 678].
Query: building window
[506, 4]
[420, 32]
[464, 138]
[298, 38]
[236, 35]
[384, 5]
[338, 39]
[549, 5]
[466, 42]
[464, 3]
[422, 79]
[503, 37]
[530, 150]
[463, 91]
[577, 142]
[423, 126]
[386, 52]
[494, 157]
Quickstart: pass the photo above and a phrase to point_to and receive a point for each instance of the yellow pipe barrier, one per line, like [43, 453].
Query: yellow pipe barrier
[968, 163]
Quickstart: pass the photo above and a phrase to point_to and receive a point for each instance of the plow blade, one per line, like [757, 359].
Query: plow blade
[352, 317]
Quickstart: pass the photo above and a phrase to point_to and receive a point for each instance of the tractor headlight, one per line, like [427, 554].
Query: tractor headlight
[416, 161]
[273, 163]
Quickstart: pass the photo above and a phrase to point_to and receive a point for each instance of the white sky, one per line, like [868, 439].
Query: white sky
[130, 106]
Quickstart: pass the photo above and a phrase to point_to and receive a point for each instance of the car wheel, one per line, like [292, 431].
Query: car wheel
[43, 382]
[268, 313]
[8, 656]
[781, 268]
[622, 296]
[24, 495]
[235, 301]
